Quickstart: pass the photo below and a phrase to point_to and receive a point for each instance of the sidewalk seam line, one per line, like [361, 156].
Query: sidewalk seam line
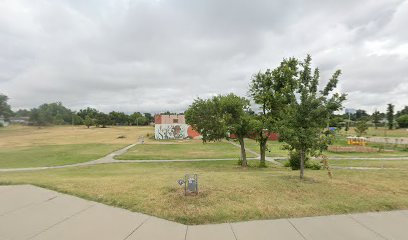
[232, 229]
[57, 223]
[297, 230]
[366, 227]
[28, 205]
[134, 230]
[185, 236]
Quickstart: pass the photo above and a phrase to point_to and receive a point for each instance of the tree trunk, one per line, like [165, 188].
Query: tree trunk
[302, 163]
[243, 153]
[262, 151]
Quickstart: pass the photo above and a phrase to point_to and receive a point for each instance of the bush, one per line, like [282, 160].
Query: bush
[294, 162]
[313, 165]
[402, 121]
[1, 125]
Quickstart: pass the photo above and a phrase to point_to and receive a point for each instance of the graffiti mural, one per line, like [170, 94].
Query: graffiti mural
[171, 131]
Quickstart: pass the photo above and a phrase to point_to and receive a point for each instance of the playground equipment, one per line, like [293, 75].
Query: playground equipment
[360, 141]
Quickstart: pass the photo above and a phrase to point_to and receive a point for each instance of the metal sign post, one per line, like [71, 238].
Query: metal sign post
[190, 184]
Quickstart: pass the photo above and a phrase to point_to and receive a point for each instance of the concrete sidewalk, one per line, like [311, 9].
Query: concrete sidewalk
[28, 212]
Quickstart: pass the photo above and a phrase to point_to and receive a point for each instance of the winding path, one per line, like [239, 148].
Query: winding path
[110, 158]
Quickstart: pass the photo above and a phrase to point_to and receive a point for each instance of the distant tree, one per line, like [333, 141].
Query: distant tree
[91, 112]
[5, 109]
[390, 116]
[376, 118]
[361, 127]
[149, 117]
[303, 127]
[22, 113]
[102, 120]
[402, 112]
[119, 118]
[88, 121]
[402, 121]
[272, 91]
[77, 120]
[138, 119]
[51, 113]
[360, 113]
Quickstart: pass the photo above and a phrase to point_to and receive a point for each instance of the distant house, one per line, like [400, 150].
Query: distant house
[3, 122]
[20, 120]
[172, 127]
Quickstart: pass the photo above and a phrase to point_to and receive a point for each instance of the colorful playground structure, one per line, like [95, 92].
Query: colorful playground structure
[360, 141]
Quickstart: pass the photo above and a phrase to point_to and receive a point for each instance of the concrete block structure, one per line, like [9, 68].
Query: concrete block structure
[172, 127]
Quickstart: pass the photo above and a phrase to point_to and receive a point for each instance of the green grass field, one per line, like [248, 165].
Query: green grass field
[403, 164]
[53, 155]
[228, 193]
[185, 149]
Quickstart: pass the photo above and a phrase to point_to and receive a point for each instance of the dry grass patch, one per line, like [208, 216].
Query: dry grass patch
[22, 136]
[227, 192]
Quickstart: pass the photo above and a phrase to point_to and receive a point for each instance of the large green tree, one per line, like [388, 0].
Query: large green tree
[5, 109]
[214, 118]
[272, 91]
[390, 116]
[303, 128]
[51, 113]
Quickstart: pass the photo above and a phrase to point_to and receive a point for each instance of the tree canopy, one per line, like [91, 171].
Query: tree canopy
[5, 110]
[306, 117]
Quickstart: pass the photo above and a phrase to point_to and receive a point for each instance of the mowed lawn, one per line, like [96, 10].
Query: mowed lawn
[182, 149]
[402, 164]
[275, 149]
[228, 193]
[53, 155]
[25, 146]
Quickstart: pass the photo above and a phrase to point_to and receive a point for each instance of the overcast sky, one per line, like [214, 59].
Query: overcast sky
[157, 55]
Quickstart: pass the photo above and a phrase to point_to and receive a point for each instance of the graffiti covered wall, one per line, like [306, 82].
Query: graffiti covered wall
[171, 131]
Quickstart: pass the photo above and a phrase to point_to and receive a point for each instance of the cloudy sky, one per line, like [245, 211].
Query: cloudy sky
[157, 55]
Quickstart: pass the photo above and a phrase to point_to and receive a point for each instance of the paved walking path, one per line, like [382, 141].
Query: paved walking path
[29, 212]
[110, 158]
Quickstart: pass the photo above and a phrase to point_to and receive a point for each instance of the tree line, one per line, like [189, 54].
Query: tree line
[58, 114]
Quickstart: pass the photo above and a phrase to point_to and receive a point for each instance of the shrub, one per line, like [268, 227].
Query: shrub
[313, 165]
[402, 121]
[294, 162]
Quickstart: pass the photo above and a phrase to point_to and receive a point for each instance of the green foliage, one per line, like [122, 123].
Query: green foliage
[272, 91]
[403, 121]
[404, 111]
[88, 121]
[102, 120]
[5, 109]
[205, 116]
[138, 119]
[390, 116]
[294, 162]
[51, 113]
[376, 117]
[361, 128]
[308, 115]
[91, 112]
[119, 118]
[22, 113]
[214, 118]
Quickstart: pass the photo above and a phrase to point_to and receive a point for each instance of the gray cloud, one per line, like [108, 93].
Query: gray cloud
[144, 55]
